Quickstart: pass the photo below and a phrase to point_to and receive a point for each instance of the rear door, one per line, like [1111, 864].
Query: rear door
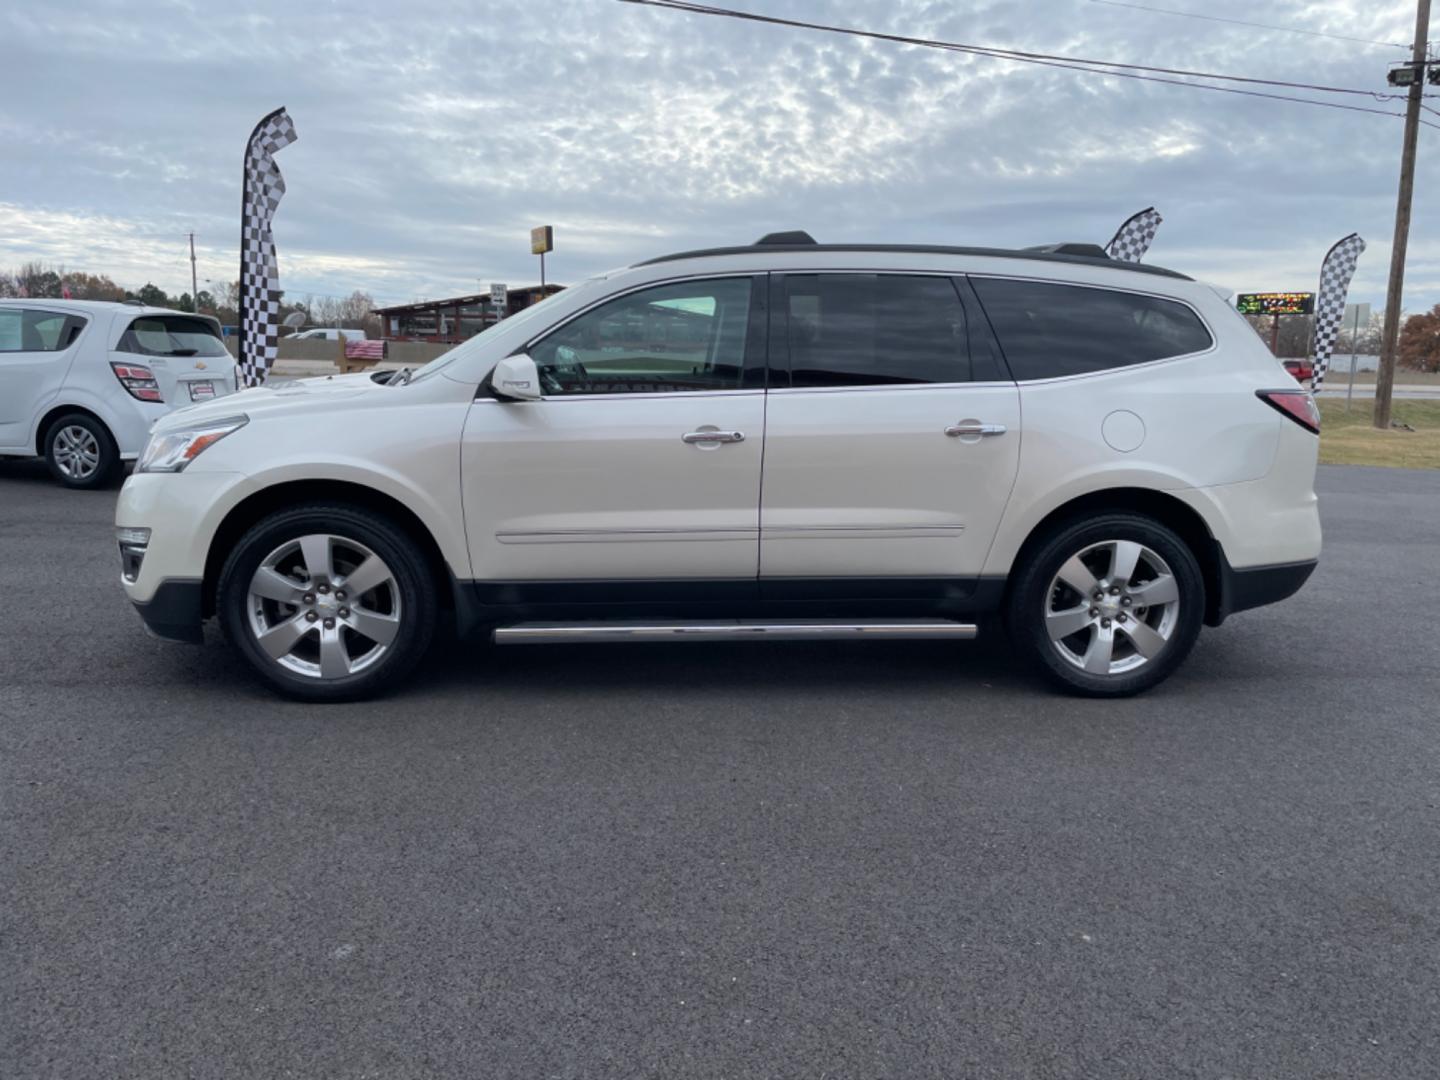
[36, 350]
[892, 434]
[186, 354]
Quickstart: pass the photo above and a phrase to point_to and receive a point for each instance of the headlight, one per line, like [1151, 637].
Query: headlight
[173, 450]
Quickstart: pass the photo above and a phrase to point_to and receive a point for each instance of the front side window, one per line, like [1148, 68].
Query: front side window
[30, 330]
[171, 335]
[1047, 331]
[684, 336]
[874, 330]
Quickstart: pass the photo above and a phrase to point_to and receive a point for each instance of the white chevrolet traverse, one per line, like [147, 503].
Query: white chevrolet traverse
[777, 441]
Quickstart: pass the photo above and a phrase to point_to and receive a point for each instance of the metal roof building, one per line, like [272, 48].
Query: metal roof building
[457, 318]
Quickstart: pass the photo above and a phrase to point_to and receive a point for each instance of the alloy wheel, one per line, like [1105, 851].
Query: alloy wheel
[324, 606]
[77, 452]
[1112, 607]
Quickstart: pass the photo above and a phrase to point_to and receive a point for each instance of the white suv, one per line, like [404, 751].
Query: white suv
[81, 381]
[784, 440]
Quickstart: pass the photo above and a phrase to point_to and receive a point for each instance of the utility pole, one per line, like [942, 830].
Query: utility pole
[1390, 339]
[194, 291]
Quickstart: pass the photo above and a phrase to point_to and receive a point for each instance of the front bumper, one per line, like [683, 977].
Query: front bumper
[175, 611]
[182, 511]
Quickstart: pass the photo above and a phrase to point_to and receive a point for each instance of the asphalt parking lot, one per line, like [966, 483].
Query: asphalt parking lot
[810, 860]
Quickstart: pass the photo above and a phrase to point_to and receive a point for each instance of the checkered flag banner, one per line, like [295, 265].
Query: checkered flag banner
[1133, 239]
[259, 274]
[1335, 274]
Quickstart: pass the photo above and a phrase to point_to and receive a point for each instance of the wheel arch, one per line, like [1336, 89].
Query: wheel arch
[1174, 513]
[289, 494]
[55, 412]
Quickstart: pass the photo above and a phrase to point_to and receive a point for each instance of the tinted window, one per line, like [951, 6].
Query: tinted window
[1052, 330]
[685, 336]
[874, 329]
[171, 335]
[28, 330]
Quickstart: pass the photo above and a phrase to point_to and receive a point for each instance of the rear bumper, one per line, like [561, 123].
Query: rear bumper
[175, 611]
[1256, 586]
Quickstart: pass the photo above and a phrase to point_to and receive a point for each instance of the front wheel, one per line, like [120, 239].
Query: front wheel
[328, 603]
[1110, 606]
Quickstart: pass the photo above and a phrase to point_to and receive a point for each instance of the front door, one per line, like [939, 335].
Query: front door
[642, 460]
[891, 452]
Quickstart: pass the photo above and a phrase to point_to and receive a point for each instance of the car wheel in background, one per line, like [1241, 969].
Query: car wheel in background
[1109, 606]
[328, 603]
[81, 452]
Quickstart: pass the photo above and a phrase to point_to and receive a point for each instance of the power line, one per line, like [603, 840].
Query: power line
[1243, 22]
[695, 8]
[1093, 67]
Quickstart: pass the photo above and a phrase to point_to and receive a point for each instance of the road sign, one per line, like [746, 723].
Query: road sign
[542, 239]
[1355, 314]
[1276, 303]
[499, 300]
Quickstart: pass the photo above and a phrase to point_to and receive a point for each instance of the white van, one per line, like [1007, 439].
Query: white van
[81, 381]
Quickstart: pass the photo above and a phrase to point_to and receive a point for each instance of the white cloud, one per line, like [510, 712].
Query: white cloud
[431, 140]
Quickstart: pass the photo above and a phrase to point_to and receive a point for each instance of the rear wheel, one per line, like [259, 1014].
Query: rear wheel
[328, 603]
[80, 452]
[1109, 606]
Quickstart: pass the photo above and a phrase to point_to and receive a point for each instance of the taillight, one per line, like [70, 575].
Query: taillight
[139, 380]
[1298, 405]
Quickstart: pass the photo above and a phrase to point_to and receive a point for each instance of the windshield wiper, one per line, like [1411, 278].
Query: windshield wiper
[182, 352]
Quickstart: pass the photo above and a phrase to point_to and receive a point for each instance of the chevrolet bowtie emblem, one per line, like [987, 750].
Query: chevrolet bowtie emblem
[200, 364]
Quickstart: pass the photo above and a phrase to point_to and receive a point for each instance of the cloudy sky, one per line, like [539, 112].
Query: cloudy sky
[432, 136]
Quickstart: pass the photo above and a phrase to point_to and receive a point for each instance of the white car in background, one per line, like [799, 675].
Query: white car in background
[786, 440]
[81, 381]
[329, 333]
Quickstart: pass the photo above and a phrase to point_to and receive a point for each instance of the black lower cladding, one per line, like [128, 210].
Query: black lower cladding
[175, 611]
[1252, 587]
[748, 598]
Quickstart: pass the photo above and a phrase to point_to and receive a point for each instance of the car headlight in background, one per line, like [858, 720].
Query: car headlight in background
[173, 450]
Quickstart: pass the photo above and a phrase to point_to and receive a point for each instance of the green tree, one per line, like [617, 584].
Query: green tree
[153, 296]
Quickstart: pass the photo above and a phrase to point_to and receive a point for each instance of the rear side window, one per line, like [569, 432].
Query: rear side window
[1047, 331]
[874, 330]
[171, 335]
[30, 330]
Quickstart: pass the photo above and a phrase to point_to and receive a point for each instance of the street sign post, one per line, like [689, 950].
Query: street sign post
[542, 239]
[1355, 314]
[499, 300]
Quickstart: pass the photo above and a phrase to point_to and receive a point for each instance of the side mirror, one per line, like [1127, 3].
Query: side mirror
[516, 379]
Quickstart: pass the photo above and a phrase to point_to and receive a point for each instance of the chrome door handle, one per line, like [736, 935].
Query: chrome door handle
[712, 436]
[955, 431]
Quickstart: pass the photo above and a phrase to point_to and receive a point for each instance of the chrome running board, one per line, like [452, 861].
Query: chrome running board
[534, 633]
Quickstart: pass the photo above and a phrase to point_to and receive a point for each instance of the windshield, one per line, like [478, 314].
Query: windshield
[171, 335]
[533, 313]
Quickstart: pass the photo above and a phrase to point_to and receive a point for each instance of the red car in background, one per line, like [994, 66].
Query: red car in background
[1303, 370]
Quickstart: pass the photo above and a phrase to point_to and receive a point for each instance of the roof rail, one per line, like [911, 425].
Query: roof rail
[1076, 254]
[794, 236]
[1090, 251]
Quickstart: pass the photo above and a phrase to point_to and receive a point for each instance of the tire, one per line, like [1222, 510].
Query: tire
[284, 584]
[81, 453]
[1146, 641]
